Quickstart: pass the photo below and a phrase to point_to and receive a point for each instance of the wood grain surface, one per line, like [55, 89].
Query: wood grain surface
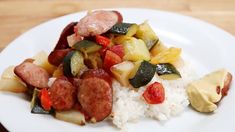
[18, 16]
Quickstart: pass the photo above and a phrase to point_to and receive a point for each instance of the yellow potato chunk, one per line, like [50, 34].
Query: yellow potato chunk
[41, 59]
[167, 56]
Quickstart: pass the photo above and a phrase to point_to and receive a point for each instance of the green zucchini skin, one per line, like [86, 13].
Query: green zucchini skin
[167, 69]
[66, 64]
[143, 75]
[87, 46]
[36, 104]
[120, 28]
[73, 63]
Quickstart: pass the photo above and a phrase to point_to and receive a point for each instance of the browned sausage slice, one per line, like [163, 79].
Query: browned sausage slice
[32, 74]
[95, 96]
[99, 73]
[96, 23]
[56, 57]
[120, 18]
[62, 42]
[62, 94]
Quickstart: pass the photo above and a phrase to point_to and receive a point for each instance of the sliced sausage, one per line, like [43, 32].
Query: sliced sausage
[56, 57]
[96, 22]
[62, 42]
[62, 94]
[99, 73]
[95, 96]
[120, 18]
[32, 74]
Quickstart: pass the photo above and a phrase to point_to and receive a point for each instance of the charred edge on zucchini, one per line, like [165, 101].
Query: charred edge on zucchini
[36, 107]
[167, 71]
[73, 63]
[128, 29]
[143, 75]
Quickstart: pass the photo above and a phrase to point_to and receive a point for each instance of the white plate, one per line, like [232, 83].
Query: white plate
[205, 45]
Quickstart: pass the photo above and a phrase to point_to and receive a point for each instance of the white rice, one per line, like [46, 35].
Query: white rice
[129, 105]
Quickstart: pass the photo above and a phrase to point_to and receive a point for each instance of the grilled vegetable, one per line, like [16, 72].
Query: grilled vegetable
[167, 56]
[41, 59]
[134, 49]
[111, 59]
[121, 72]
[72, 116]
[73, 64]
[45, 99]
[93, 61]
[8, 73]
[12, 85]
[143, 75]
[118, 49]
[36, 107]
[154, 94]
[167, 71]
[101, 40]
[10, 82]
[58, 71]
[146, 33]
[128, 29]
[87, 46]
[158, 48]
[73, 39]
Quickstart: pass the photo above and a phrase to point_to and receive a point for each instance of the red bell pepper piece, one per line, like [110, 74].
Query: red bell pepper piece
[118, 49]
[102, 52]
[154, 94]
[111, 59]
[102, 40]
[45, 99]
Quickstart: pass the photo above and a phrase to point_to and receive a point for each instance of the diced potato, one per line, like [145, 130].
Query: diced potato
[167, 56]
[72, 40]
[132, 30]
[146, 33]
[135, 49]
[72, 116]
[159, 47]
[121, 72]
[12, 85]
[135, 68]
[41, 59]
[8, 73]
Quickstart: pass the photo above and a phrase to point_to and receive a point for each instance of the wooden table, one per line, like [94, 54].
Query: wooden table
[18, 16]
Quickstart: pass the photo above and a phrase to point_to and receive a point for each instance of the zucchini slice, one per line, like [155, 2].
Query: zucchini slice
[135, 49]
[72, 116]
[143, 75]
[73, 63]
[36, 107]
[87, 46]
[167, 71]
[146, 33]
[121, 72]
[128, 29]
